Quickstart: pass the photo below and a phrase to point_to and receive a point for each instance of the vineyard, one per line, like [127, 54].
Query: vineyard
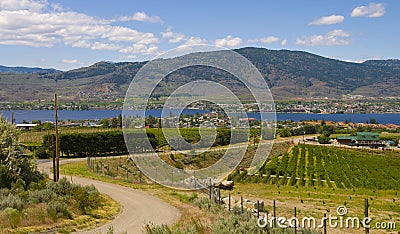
[311, 166]
[124, 168]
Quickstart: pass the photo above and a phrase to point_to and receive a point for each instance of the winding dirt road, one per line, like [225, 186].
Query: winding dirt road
[138, 207]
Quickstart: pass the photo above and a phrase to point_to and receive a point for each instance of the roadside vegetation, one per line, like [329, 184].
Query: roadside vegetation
[217, 220]
[29, 202]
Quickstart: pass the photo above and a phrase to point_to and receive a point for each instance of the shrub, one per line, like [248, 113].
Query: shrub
[18, 186]
[11, 201]
[61, 188]
[207, 205]
[157, 229]
[41, 196]
[58, 210]
[13, 216]
[4, 193]
[41, 153]
[87, 198]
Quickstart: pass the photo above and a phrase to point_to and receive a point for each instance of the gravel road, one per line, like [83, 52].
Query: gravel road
[138, 207]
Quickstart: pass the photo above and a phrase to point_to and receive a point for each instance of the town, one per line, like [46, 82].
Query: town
[348, 105]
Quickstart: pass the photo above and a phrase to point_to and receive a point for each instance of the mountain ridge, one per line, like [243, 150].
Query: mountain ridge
[289, 74]
[22, 69]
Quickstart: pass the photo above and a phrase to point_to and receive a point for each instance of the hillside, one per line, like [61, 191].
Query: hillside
[289, 74]
[26, 70]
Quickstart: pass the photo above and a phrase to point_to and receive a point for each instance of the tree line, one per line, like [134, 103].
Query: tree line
[96, 143]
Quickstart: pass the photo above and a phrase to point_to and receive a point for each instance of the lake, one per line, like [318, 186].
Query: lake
[48, 115]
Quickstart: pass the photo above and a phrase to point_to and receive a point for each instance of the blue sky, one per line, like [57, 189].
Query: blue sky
[67, 34]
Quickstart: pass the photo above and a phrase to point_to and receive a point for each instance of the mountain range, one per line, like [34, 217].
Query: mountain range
[289, 74]
[4, 69]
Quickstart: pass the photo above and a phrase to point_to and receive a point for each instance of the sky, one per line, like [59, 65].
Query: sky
[67, 34]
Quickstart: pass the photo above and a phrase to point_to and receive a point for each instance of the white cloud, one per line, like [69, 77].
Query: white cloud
[70, 61]
[194, 41]
[229, 41]
[143, 17]
[117, 33]
[40, 24]
[372, 10]
[57, 7]
[266, 40]
[332, 38]
[140, 49]
[173, 37]
[31, 5]
[284, 42]
[77, 42]
[104, 46]
[328, 20]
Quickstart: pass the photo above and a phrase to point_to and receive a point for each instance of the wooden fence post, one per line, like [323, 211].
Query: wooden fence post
[210, 190]
[241, 202]
[229, 200]
[274, 214]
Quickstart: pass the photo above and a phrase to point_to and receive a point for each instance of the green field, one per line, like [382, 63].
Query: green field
[312, 165]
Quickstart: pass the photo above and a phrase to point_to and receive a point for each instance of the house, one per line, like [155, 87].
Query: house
[370, 139]
[346, 140]
[25, 126]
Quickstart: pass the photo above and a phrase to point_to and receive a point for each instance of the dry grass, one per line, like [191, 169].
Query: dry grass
[35, 219]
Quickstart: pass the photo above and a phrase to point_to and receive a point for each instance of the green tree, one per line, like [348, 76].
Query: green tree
[48, 126]
[5, 177]
[114, 123]
[119, 121]
[324, 138]
[37, 122]
[9, 145]
[19, 167]
[285, 132]
[105, 123]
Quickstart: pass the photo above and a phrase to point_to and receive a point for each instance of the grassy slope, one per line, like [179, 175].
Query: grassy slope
[97, 217]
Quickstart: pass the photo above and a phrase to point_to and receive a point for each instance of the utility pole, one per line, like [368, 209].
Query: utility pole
[57, 143]
[53, 150]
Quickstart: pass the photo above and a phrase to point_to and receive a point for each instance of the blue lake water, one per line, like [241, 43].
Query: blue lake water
[48, 115]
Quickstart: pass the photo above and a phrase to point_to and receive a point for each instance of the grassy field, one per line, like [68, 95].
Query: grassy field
[310, 199]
